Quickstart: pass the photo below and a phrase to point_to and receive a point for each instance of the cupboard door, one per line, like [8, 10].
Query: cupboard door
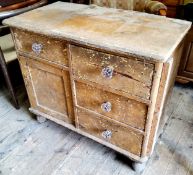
[186, 65]
[48, 89]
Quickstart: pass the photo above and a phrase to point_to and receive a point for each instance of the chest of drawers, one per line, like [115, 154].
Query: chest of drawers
[104, 73]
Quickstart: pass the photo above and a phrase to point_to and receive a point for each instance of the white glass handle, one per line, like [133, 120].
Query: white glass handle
[107, 134]
[107, 72]
[37, 48]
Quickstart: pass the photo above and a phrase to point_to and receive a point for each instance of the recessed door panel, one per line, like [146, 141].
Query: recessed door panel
[48, 88]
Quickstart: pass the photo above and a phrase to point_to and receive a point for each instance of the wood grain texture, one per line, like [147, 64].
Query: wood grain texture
[122, 137]
[132, 67]
[27, 145]
[151, 109]
[135, 85]
[169, 73]
[157, 114]
[129, 32]
[53, 50]
[46, 74]
[130, 76]
[48, 88]
[123, 109]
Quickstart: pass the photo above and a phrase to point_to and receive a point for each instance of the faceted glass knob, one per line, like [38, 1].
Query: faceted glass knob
[107, 134]
[106, 106]
[37, 48]
[107, 72]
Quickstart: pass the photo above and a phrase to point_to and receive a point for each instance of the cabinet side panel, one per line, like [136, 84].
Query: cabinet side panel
[168, 76]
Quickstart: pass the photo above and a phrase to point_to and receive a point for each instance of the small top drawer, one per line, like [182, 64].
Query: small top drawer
[123, 74]
[41, 46]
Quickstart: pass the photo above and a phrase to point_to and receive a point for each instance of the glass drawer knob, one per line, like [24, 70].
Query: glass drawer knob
[37, 48]
[107, 72]
[106, 106]
[107, 134]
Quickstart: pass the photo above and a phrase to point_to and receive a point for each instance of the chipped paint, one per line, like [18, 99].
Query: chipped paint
[144, 35]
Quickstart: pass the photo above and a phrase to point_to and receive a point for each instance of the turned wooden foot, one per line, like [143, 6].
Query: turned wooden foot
[41, 119]
[138, 167]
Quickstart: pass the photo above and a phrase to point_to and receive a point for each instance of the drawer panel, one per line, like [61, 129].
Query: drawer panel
[117, 107]
[111, 132]
[41, 46]
[127, 75]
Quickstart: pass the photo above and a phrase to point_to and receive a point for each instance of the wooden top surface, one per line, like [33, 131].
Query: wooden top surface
[144, 35]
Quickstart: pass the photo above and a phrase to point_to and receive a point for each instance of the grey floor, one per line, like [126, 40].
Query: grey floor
[30, 148]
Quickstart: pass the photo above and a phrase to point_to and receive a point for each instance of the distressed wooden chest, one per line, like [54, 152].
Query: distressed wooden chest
[104, 73]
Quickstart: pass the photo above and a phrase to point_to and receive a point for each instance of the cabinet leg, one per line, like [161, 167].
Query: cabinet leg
[41, 119]
[138, 167]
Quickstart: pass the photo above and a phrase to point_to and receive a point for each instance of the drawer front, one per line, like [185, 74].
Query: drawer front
[127, 75]
[111, 105]
[41, 46]
[111, 132]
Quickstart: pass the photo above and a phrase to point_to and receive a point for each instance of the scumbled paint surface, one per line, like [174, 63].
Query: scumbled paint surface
[144, 35]
[65, 31]
[88, 65]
